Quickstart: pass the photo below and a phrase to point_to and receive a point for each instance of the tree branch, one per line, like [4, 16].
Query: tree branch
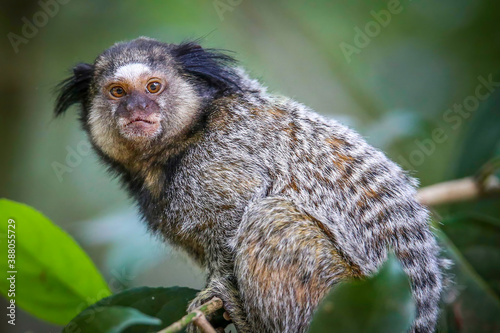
[197, 317]
[202, 322]
[471, 188]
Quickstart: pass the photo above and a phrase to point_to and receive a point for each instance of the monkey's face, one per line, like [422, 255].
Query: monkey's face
[133, 96]
[140, 105]
[142, 96]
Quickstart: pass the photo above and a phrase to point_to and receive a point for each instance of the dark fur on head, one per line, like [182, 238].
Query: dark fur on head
[74, 89]
[210, 67]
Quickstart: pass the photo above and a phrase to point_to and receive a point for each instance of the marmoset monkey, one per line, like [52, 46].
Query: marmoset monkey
[276, 202]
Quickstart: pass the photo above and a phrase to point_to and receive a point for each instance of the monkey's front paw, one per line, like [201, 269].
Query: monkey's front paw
[192, 328]
[202, 297]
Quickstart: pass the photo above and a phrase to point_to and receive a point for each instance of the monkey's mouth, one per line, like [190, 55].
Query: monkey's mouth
[140, 126]
[140, 120]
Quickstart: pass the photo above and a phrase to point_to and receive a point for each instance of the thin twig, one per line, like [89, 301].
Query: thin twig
[205, 309]
[465, 189]
[202, 322]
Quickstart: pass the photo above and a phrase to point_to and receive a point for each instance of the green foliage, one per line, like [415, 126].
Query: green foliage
[55, 279]
[471, 232]
[111, 319]
[473, 304]
[479, 148]
[166, 304]
[379, 304]
[481, 141]
[477, 238]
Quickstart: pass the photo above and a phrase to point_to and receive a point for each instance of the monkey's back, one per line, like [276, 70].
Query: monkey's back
[266, 146]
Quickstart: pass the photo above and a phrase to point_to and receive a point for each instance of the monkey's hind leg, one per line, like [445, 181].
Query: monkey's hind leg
[284, 265]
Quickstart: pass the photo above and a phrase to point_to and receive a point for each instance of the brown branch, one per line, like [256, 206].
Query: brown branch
[197, 316]
[202, 322]
[465, 189]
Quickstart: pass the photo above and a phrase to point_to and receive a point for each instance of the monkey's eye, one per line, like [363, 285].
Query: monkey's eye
[154, 87]
[117, 92]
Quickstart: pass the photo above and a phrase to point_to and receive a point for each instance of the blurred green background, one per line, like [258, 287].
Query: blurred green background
[395, 89]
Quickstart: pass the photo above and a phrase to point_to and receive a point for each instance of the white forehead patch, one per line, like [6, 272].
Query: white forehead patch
[131, 71]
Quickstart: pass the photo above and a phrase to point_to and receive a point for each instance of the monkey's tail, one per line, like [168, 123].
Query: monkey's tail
[418, 252]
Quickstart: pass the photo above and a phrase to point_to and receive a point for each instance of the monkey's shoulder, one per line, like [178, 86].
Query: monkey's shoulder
[302, 153]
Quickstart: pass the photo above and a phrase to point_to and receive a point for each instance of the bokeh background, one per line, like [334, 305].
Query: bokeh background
[395, 88]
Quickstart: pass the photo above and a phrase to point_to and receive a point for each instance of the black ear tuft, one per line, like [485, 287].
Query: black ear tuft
[210, 65]
[74, 89]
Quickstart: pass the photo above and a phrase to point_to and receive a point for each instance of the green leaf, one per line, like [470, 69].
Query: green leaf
[111, 319]
[480, 144]
[478, 240]
[379, 304]
[167, 304]
[472, 305]
[55, 279]
[481, 140]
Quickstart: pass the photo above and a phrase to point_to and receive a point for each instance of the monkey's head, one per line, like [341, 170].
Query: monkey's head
[143, 95]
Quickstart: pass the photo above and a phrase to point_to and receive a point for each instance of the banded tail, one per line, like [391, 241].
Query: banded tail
[418, 252]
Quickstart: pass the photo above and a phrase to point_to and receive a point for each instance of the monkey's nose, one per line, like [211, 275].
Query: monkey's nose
[131, 107]
[137, 102]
